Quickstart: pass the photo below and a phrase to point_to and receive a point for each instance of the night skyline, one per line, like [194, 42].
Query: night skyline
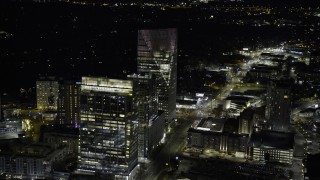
[203, 89]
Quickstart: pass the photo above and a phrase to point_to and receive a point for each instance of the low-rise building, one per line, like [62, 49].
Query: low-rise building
[217, 134]
[309, 112]
[235, 104]
[309, 75]
[10, 128]
[50, 116]
[185, 104]
[246, 121]
[271, 146]
[68, 137]
[28, 161]
[261, 71]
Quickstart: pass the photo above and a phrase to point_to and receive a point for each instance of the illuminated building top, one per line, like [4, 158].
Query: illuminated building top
[106, 85]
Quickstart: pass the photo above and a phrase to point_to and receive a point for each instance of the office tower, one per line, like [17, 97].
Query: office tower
[145, 94]
[157, 54]
[278, 107]
[108, 127]
[69, 103]
[151, 121]
[47, 93]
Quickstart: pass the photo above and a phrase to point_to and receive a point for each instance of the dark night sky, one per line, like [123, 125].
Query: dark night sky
[70, 40]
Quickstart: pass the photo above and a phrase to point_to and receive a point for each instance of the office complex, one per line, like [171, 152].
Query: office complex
[108, 127]
[278, 107]
[69, 103]
[47, 94]
[157, 55]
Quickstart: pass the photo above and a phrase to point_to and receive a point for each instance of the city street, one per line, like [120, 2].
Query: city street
[157, 168]
[175, 142]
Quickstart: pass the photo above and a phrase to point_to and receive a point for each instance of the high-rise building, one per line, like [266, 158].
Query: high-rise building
[157, 55]
[145, 94]
[108, 127]
[69, 103]
[278, 105]
[47, 93]
[151, 121]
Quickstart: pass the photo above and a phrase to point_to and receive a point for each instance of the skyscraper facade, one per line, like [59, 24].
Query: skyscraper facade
[151, 121]
[108, 128]
[278, 105]
[47, 94]
[157, 55]
[69, 103]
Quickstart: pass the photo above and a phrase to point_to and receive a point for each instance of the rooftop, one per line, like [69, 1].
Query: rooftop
[18, 148]
[186, 102]
[60, 129]
[282, 84]
[106, 85]
[211, 124]
[239, 98]
[216, 125]
[279, 140]
[247, 114]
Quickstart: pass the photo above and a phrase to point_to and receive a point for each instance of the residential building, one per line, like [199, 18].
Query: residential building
[47, 94]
